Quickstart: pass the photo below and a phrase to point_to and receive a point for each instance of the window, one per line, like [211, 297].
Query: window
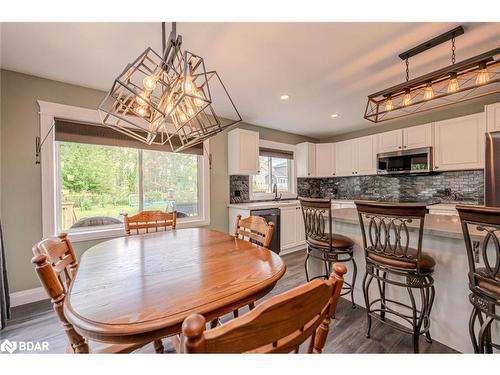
[98, 183]
[275, 168]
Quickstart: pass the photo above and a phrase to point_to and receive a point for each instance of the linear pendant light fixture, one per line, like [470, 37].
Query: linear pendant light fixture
[469, 79]
[168, 98]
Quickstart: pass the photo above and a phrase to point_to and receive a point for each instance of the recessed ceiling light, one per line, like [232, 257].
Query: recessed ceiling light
[335, 115]
[284, 97]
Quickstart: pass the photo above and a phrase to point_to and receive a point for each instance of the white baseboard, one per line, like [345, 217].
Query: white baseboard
[293, 250]
[27, 296]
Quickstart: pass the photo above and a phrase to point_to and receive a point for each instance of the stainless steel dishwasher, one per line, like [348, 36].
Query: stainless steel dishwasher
[271, 215]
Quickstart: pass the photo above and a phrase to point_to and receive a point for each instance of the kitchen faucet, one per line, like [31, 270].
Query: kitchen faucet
[275, 191]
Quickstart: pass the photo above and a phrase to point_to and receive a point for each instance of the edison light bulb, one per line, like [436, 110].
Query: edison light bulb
[141, 111]
[428, 92]
[189, 85]
[407, 98]
[182, 117]
[199, 102]
[388, 105]
[149, 82]
[140, 100]
[482, 76]
[190, 112]
[453, 84]
[169, 108]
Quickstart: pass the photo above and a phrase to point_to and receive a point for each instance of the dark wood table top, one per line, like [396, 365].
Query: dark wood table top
[138, 288]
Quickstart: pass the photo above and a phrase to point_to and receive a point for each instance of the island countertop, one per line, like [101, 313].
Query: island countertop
[436, 225]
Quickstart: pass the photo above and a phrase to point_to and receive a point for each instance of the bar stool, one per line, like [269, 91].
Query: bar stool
[483, 254]
[390, 261]
[323, 244]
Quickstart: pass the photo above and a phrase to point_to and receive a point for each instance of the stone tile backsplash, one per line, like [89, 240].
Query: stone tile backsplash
[466, 186]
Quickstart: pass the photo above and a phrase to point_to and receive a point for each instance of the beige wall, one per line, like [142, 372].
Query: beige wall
[457, 110]
[20, 176]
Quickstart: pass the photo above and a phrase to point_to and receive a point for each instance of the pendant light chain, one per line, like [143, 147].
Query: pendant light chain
[453, 50]
[407, 69]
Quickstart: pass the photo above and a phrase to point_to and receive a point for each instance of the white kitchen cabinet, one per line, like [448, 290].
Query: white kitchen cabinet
[344, 158]
[288, 227]
[459, 143]
[408, 138]
[291, 228]
[493, 117]
[365, 155]
[299, 226]
[243, 152]
[390, 141]
[417, 136]
[356, 157]
[305, 159]
[325, 159]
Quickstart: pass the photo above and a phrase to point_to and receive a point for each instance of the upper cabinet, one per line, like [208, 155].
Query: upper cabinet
[325, 159]
[366, 155]
[305, 159]
[409, 138]
[459, 143]
[493, 117]
[390, 141]
[356, 156]
[243, 152]
[417, 136]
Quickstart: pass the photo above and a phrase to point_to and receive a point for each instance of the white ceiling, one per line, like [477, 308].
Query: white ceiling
[325, 68]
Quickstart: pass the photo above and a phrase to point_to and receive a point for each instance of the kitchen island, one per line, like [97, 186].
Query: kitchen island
[443, 240]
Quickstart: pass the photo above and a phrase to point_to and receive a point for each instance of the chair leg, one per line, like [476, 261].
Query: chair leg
[306, 266]
[431, 292]
[354, 274]
[416, 328]
[485, 336]
[472, 333]
[381, 288]
[236, 313]
[158, 345]
[366, 285]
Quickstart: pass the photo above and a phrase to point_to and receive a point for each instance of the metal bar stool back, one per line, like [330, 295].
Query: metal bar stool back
[388, 230]
[323, 244]
[481, 229]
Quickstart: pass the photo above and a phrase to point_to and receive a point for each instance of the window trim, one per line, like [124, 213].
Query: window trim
[269, 196]
[49, 175]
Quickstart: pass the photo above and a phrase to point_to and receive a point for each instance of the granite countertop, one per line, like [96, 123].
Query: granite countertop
[436, 225]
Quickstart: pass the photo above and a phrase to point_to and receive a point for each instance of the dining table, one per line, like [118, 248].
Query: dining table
[138, 289]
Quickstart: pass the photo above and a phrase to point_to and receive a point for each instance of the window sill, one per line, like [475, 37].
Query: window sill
[270, 196]
[103, 234]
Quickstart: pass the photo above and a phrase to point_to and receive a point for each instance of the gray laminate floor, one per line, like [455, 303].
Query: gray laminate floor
[37, 321]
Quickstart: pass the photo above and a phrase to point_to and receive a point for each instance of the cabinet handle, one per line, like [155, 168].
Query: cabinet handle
[436, 167]
[399, 146]
[404, 146]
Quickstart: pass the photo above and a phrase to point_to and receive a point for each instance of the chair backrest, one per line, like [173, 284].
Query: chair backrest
[59, 254]
[255, 229]
[56, 267]
[385, 230]
[317, 215]
[486, 249]
[278, 325]
[146, 221]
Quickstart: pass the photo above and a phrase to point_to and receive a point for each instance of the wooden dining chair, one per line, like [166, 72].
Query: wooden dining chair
[279, 325]
[149, 221]
[56, 265]
[254, 229]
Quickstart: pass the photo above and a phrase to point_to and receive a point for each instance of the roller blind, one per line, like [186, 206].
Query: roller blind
[71, 131]
[283, 154]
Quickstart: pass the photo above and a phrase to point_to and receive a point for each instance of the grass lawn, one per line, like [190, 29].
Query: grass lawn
[107, 210]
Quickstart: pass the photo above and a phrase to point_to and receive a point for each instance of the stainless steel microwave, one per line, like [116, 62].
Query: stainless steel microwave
[418, 160]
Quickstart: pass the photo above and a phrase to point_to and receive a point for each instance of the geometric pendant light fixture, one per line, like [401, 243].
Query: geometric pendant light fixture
[168, 98]
[469, 79]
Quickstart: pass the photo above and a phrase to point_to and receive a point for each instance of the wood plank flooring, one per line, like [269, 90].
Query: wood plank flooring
[37, 322]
